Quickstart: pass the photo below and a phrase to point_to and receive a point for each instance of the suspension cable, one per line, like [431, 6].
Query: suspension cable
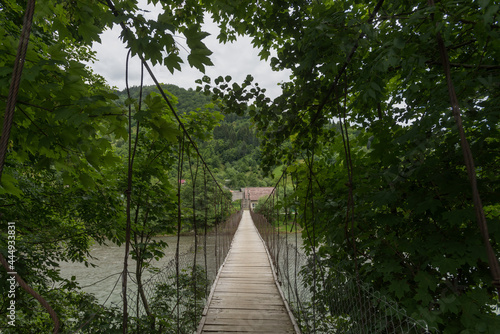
[128, 33]
[205, 201]
[194, 176]
[180, 164]
[4, 140]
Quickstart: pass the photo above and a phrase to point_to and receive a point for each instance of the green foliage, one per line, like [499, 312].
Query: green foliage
[414, 226]
[413, 235]
[184, 100]
[416, 239]
[74, 309]
[233, 151]
[65, 173]
[192, 290]
[57, 185]
[236, 146]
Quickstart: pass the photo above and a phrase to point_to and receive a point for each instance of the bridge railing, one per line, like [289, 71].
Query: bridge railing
[325, 299]
[174, 298]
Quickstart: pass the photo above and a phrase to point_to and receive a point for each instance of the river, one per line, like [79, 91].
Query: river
[103, 280]
[108, 260]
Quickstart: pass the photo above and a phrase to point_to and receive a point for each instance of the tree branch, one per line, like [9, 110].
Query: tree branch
[469, 162]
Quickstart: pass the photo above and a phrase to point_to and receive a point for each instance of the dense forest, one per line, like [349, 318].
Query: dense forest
[387, 134]
[233, 153]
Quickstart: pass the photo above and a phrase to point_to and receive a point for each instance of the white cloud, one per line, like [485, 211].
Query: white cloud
[235, 59]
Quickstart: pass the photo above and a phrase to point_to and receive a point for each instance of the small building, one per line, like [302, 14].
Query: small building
[252, 195]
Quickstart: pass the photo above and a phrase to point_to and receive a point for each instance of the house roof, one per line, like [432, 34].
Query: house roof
[254, 193]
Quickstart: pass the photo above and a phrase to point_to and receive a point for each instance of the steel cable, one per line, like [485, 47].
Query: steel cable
[4, 140]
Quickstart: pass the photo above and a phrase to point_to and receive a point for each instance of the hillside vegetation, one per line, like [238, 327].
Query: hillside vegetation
[233, 149]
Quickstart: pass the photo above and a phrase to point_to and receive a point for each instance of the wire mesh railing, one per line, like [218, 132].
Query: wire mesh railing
[172, 299]
[197, 269]
[329, 300]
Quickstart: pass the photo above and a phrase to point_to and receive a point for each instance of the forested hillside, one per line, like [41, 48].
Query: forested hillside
[236, 153]
[233, 153]
[185, 100]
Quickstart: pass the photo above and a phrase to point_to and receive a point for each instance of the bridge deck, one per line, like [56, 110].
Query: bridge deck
[245, 297]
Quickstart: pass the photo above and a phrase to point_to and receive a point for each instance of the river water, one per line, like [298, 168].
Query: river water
[104, 280]
[108, 260]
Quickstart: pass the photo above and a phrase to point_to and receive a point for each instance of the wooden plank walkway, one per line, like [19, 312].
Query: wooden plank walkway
[245, 297]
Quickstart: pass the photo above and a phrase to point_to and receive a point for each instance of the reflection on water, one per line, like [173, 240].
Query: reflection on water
[108, 260]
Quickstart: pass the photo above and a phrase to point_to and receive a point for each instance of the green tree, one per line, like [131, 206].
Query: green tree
[405, 222]
[61, 182]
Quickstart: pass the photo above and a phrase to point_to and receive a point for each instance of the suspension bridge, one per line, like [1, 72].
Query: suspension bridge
[257, 282]
[246, 296]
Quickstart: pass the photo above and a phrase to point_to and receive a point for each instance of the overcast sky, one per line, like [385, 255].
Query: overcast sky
[237, 60]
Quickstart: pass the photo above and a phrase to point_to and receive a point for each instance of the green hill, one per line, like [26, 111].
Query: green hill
[233, 153]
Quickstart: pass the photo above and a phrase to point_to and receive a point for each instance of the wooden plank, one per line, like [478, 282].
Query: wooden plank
[235, 288]
[235, 275]
[243, 329]
[245, 297]
[268, 323]
[245, 279]
[240, 305]
[243, 314]
[247, 328]
[254, 271]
